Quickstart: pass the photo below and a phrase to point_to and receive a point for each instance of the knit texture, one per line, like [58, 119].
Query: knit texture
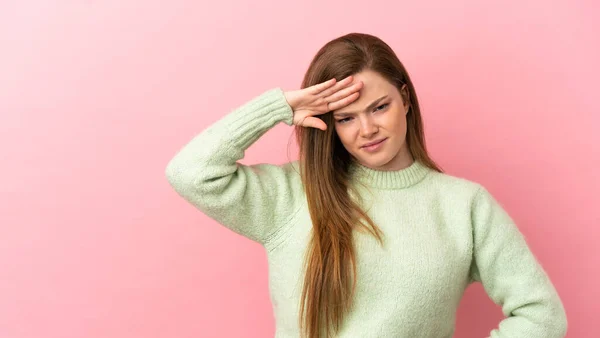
[441, 233]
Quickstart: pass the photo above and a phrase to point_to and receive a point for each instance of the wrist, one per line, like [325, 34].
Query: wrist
[290, 98]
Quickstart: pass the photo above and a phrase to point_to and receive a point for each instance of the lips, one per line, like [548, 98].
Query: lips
[372, 143]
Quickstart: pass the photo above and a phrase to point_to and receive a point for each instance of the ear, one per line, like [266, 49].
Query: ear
[405, 97]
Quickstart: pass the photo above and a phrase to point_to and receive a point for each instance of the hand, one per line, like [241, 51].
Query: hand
[320, 99]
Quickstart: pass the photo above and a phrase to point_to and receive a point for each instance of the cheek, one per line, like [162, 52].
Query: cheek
[347, 136]
[398, 123]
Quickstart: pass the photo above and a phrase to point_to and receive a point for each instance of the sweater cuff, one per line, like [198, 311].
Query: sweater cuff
[257, 116]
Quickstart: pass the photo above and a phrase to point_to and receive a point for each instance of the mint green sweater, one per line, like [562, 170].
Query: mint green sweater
[441, 233]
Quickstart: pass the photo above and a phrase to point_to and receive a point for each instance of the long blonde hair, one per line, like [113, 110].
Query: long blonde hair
[330, 261]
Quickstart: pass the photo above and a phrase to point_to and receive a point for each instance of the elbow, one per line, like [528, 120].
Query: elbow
[177, 176]
[171, 172]
[188, 180]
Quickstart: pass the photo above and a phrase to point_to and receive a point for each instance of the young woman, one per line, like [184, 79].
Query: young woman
[365, 235]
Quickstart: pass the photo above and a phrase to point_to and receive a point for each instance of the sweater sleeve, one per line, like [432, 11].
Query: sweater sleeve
[512, 276]
[251, 200]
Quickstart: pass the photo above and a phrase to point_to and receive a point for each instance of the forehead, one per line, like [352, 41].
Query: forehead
[374, 87]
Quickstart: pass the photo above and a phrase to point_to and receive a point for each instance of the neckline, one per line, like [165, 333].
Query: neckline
[389, 179]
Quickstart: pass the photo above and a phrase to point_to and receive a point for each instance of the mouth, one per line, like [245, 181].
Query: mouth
[373, 148]
[373, 143]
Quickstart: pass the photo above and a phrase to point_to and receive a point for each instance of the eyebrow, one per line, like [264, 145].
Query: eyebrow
[369, 107]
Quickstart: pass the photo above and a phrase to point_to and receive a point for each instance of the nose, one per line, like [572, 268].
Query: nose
[367, 127]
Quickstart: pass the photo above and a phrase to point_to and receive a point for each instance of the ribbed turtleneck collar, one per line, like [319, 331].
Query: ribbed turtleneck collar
[394, 179]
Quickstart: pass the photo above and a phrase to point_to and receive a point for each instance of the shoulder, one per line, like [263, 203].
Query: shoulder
[462, 191]
[291, 174]
[292, 166]
[483, 205]
[291, 170]
[454, 186]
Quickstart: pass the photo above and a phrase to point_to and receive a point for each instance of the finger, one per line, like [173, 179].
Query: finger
[340, 94]
[319, 87]
[314, 123]
[343, 102]
[341, 84]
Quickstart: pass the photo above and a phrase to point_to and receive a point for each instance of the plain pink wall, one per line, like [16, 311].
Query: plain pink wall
[97, 96]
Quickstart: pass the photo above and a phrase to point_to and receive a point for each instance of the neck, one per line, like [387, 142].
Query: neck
[406, 177]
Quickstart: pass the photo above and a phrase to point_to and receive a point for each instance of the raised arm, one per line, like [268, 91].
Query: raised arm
[512, 276]
[256, 201]
[253, 201]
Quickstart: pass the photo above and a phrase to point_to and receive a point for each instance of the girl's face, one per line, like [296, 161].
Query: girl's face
[379, 113]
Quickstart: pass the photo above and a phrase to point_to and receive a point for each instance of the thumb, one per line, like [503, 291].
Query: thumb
[314, 122]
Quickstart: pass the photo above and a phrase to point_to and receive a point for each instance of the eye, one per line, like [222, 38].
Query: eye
[383, 105]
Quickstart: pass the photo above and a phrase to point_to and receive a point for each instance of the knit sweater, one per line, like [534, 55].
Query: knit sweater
[441, 233]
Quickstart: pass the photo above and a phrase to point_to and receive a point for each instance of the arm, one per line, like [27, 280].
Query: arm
[512, 276]
[254, 201]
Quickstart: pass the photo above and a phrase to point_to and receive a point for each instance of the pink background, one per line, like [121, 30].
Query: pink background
[97, 96]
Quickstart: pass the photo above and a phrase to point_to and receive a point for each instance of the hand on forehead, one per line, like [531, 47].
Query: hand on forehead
[374, 87]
